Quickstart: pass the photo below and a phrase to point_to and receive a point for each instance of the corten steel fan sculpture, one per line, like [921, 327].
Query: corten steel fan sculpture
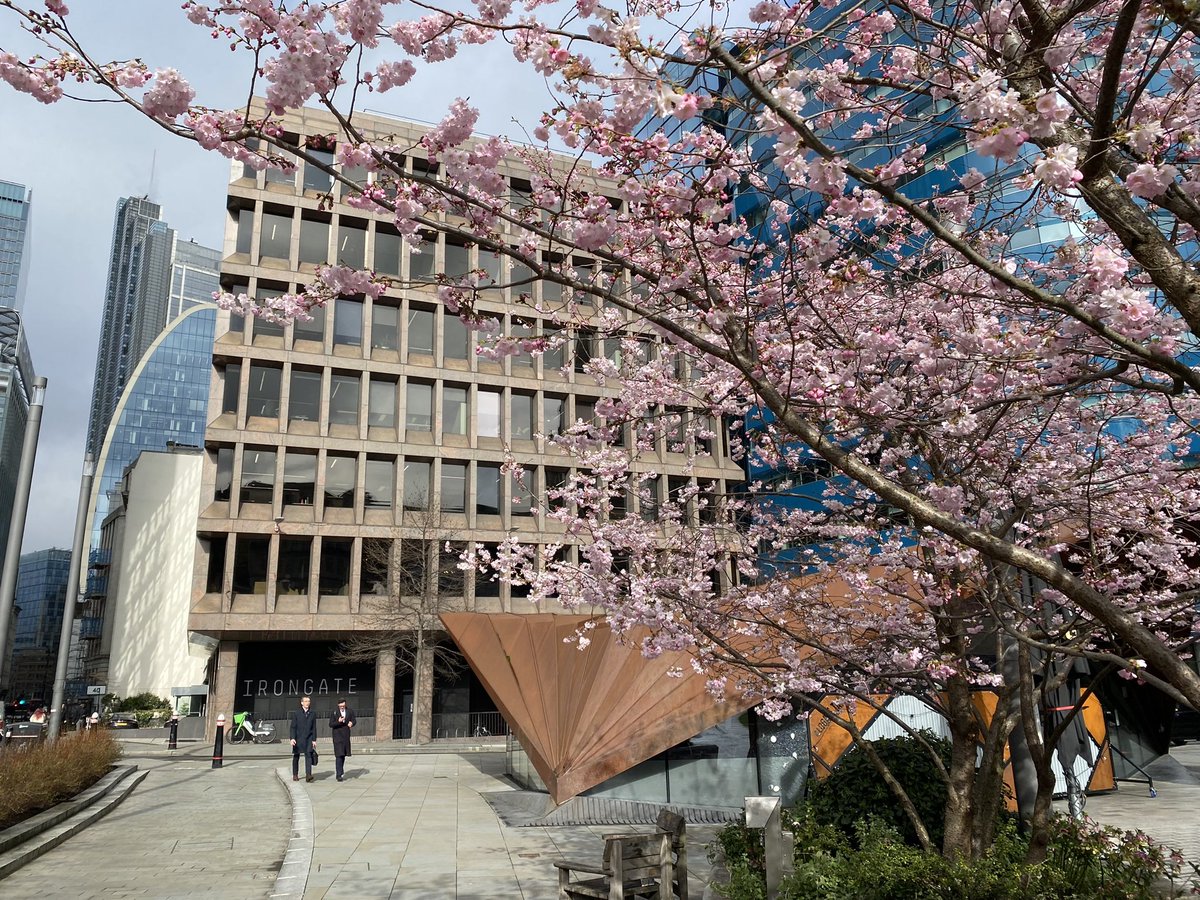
[586, 715]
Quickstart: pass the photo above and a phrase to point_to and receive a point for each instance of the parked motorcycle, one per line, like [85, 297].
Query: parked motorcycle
[246, 731]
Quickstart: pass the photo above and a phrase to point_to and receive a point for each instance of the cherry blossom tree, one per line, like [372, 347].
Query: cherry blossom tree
[939, 256]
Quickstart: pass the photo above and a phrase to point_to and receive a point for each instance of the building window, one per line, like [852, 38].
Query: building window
[304, 401]
[458, 260]
[385, 322]
[454, 487]
[314, 242]
[381, 403]
[344, 399]
[493, 268]
[311, 330]
[347, 323]
[649, 499]
[521, 416]
[554, 357]
[379, 483]
[520, 498]
[250, 564]
[414, 567]
[451, 579]
[316, 179]
[335, 567]
[422, 262]
[231, 387]
[224, 481]
[554, 412]
[263, 397]
[375, 569]
[299, 478]
[454, 409]
[487, 490]
[258, 475]
[585, 411]
[215, 582]
[488, 406]
[487, 583]
[420, 330]
[585, 340]
[352, 246]
[340, 476]
[275, 236]
[518, 331]
[295, 561]
[418, 414]
[245, 230]
[416, 484]
[556, 481]
[387, 252]
[455, 337]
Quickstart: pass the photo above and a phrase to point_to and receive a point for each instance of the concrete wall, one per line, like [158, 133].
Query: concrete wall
[154, 564]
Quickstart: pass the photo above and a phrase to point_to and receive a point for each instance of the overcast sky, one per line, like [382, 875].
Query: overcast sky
[80, 158]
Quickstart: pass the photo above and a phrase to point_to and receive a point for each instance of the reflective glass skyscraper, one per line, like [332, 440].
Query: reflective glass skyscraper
[16, 393]
[15, 205]
[41, 590]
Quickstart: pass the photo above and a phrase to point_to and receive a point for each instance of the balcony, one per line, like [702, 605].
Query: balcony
[90, 628]
[97, 586]
[99, 559]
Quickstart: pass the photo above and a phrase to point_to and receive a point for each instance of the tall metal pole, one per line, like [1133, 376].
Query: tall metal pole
[16, 529]
[68, 618]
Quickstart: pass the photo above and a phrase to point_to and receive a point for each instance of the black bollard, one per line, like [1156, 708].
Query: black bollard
[219, 744]
[173, 738]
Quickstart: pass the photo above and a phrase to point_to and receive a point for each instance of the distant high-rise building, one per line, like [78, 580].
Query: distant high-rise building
[16, 393]
[41, 590]
[15, 205]
[151, 278]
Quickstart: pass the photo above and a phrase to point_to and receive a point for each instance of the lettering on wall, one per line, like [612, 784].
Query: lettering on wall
[294, 687]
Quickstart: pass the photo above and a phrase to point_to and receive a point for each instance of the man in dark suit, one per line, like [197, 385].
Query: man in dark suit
[304, 738]
[341, 723]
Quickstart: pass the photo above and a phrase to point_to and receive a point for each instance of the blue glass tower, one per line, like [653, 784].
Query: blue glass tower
[15, 205]
[41, 590]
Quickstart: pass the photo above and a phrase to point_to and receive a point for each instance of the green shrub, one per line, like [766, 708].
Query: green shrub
[855, 791]
[36, 778]
[139, 702]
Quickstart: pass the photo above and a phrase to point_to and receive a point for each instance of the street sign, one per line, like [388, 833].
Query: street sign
[97, 690]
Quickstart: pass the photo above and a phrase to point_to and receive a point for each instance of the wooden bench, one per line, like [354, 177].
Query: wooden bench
[634, 865]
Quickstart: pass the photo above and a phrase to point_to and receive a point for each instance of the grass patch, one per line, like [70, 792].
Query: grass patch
[35, 778]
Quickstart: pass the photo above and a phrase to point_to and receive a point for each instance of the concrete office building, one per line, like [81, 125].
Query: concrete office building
[374, 423]
[150, 275]
[16, 202]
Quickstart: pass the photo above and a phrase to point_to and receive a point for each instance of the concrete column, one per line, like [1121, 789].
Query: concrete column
[222, 695]
[423, 698]
[385, 693]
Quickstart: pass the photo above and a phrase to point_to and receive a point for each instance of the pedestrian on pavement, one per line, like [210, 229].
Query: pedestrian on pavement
[94, 721]
[304, 738]
[341, 723]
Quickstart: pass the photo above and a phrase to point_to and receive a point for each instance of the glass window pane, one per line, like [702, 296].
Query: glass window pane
[258, 475]
[493, 267]
[295, 555]
[348, 322]
[344, 398]
[454, 487]
[335, 566]
[313, 329]
[224, 473]
[418, 415]
[275, 236]
[522, 416]
[231, 387]
[421, 264]
[262, 398]
[455, 337]
[250, 564]
[555, 355]
[314, 242]
[420, 330]
[458, 260]
[352, 246]
[305, 402]
[487, 490]
[245, 230]
[384, 326]
[454, 410]
[381, 403]
[520, 497]
[489, 413]
[387, 253]
[316, 179]
[378, 484]
[340, 473]
[416, 483]
[554, 412]
[299, 478]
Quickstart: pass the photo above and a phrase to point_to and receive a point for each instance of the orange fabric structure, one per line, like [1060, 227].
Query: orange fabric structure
[584, 715]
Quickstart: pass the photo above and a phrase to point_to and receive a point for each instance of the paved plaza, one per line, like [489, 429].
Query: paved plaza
[404, 824]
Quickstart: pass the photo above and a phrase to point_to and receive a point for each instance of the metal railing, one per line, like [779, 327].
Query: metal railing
[463, 725]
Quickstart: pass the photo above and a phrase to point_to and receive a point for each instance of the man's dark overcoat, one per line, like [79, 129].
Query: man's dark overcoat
[341, 731]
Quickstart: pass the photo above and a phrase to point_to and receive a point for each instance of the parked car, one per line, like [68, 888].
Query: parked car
[1187, 725]
[123, 720]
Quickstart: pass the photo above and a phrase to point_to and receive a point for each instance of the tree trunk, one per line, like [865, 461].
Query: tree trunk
[964, 743]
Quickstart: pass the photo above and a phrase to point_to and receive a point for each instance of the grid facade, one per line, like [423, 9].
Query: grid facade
[40, 593]
[377, 423]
